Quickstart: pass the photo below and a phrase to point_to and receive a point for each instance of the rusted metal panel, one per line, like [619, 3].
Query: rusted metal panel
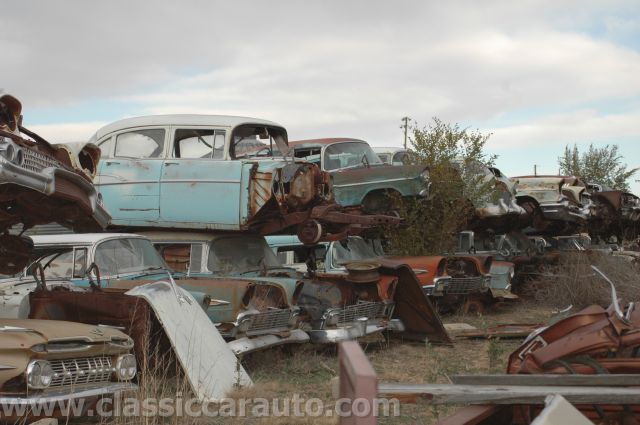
[592, 341]
[107, 307]
[413, 307]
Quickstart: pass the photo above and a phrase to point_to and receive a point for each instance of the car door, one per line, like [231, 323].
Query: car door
[199, 188]
[129, 176]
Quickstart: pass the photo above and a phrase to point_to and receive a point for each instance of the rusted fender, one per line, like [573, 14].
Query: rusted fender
[412, 305]
[428, 267]
[593, 332]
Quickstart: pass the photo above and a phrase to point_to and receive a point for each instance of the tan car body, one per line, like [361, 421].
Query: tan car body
[76, 345]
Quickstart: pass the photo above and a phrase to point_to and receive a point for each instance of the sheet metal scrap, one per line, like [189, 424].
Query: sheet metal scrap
[593, 341]
[412, 305]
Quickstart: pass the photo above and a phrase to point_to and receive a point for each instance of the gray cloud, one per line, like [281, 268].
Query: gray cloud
[330, 68]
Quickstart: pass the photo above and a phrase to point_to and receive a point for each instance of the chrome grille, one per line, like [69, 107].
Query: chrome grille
[36, 161]
[81, 371]
[276, 320]
[463, 285]
[367, 309]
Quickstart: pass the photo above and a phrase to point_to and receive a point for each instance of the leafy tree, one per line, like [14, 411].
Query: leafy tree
[455, 186]
[597, 165]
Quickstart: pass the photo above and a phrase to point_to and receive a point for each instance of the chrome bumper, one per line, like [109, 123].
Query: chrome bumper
[247, 345]
[564, 212]
[66, 394]
[360, 329]
[438, 287]
[501, 208]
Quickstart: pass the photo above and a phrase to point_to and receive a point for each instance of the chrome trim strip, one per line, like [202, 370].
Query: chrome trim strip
[167, 181]
[199, 181]
[373, 182]
[128, 182]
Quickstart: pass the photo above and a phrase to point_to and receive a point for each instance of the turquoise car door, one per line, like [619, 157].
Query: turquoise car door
[198, 186]
[129, 180]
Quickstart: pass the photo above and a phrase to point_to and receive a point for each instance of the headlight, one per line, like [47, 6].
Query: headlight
[126, 367]
[11, 152]
[244, 324]
[332, 317]
[293, 319]
[39, 374]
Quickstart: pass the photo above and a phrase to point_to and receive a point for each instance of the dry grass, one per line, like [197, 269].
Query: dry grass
[573, 282]
[310, 371]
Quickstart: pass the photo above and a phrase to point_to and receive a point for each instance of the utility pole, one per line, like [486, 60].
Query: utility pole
[535, 170]
[405, 126]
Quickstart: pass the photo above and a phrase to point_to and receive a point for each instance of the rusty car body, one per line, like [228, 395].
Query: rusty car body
[359, 176]
[499, 208]
[246, 257]
[592, 341]
[223, 168]
[439, 276]
[516, 256]
[50, 363]
[615, 213]
[242, 264]
[254, 314]
[42, 183]
[165, 322]
[554, 204]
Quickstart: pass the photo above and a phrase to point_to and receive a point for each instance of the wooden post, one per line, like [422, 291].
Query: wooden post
[358, 381]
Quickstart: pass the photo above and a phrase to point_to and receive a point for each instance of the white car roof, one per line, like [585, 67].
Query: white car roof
[180, 119]
[79, 238]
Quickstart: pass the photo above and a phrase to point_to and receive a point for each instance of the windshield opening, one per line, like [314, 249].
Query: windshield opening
[121, 256]
[349, 155]
[251, 141]
[352, 249]
[237, 255]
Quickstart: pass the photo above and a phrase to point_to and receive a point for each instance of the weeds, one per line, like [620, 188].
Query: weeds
[573, 282]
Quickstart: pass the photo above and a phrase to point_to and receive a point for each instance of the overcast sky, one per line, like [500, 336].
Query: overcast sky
[536, 74]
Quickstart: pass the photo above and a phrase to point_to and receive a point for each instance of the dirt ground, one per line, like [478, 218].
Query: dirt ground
[310, 371]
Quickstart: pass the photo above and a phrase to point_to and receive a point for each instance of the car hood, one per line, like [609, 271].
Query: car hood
[21, 333]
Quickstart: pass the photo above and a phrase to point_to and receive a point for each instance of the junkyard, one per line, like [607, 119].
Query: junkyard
[193, 265]
[201, 291]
